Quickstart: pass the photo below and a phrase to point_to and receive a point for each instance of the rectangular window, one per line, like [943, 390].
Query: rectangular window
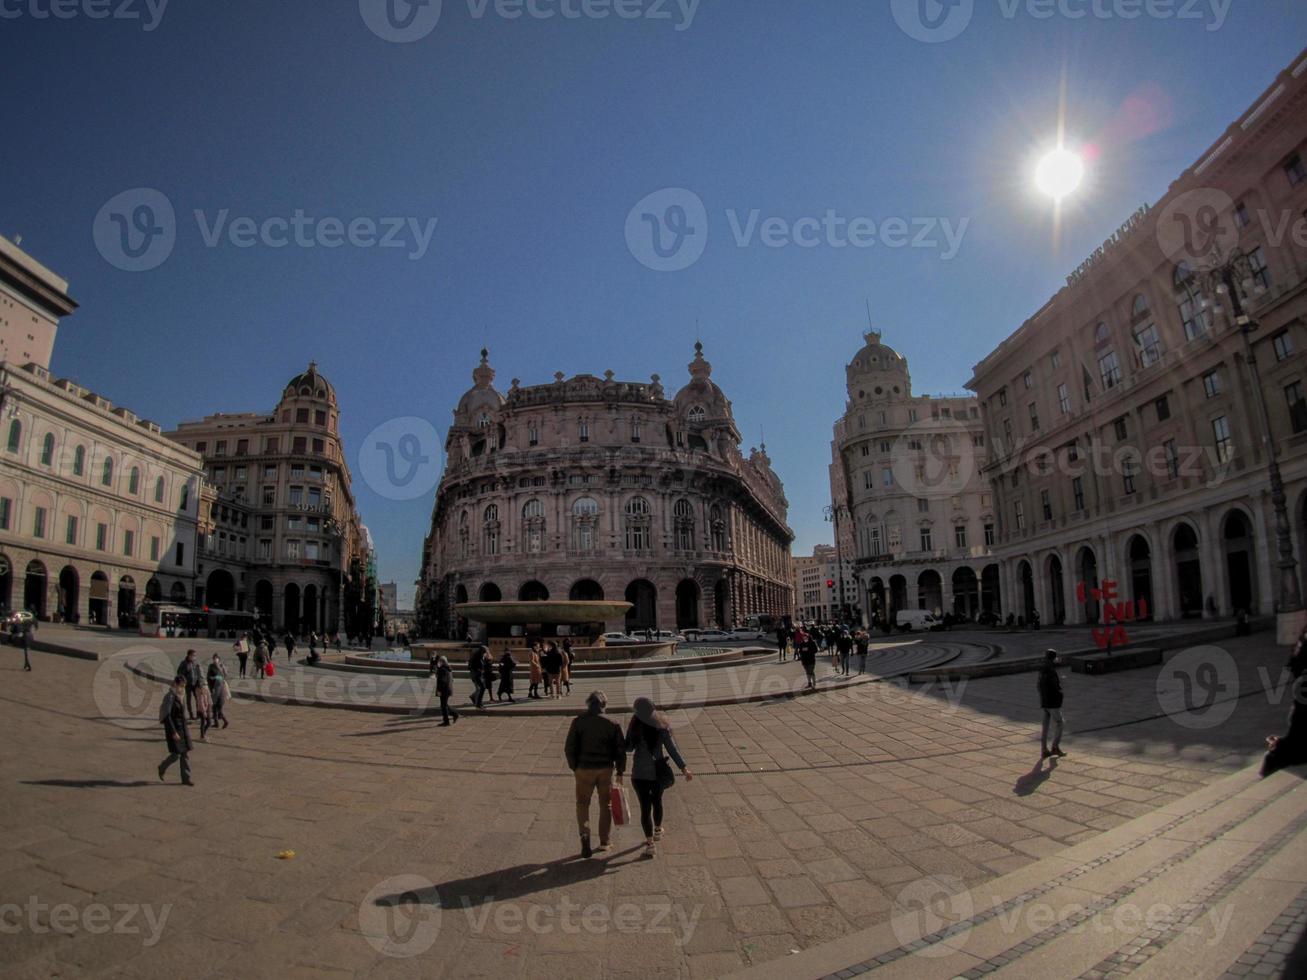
[1221, 433]
[1109, 370]
[1063, 399]
[960, 535]
[1007, 433]
[201, 447]
[875, 541]
[1046, 503]
[242, 447]
[1120, 429]
[912, 415]
[319, 446]
[296, 496]
[299, 444]
[926, 544]
[1029, 380]
[315, 498]
[1150, 345]
[884, 419]
[867, 482]
[293, 550]
[311, 550]
[1163, 407]
[129, 543]
[1211, 384]
[294, 522]
[1002, 398]
[1283, 344]
[1034, 417]
[266, 522]
[265, 549]
[38, 524]
[1019, 511]
[297, 471]
[887, 477]
[636, 427]
[319, 417]
[1297, 407]
[220, 449]
[1261, 274]
[6, 510]
[1241, 215]
[269, 496]
[989, 535]
[301, 415]
[271, 444]
[923, 505]
[1128, 475]
[1172, 458]
[238, 473]
[70, 531]
[1294, 170]
[1078, 492]
[1057, 359]
[181, 554]
[101, 537]
[154, 548]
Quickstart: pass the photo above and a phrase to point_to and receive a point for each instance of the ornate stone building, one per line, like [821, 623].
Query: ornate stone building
[281, 535]
[1125, 416]
[911, 506]
[591, 488]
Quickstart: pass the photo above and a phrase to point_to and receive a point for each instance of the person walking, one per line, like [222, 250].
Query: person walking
[844, 645]
[190, 669]
[204, 708]
[782, 643]
[506, 665]
[552, 662]
[596, 754]
[172, 715]
[218, 691]
[569, 658]
[27, 646]
[489, 671]
[476, 669]
[649, 740]
[861, 644]
[1050, 699]
[313, 647]
[444, 675]
[335, 639]
[537, 673]
[808, 656]
[290, 645]
[242, 648]
[1290, 749]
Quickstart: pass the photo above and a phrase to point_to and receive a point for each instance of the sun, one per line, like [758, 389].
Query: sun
[1059, 173]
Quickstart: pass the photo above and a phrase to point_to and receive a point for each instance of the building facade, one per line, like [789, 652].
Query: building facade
[97, 508]
[1124, 418]
[591, 488]
[818, 597]
[283, 537]
[908, 493]
[32, 299]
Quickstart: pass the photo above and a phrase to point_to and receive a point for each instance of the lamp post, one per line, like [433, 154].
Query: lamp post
[832, 513]
[1229, 275]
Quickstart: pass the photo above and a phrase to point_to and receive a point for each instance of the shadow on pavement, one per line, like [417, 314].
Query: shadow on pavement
[88, 783]
[1027, 783]
[507, 884]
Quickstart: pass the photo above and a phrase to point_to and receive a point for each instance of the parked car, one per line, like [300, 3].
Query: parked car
[745, 633]
[916, 619]
[619, 640]
[19, 618]
[668, 636]
[706, 635]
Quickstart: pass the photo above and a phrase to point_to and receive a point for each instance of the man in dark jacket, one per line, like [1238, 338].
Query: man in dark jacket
[476, 667]
[595, 747]
[1050, 699]
[190, 670]
[172, 713]
[844, 644]
[444, 675]
[808, 655]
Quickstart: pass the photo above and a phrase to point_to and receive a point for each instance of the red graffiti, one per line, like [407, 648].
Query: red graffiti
[1116, 612]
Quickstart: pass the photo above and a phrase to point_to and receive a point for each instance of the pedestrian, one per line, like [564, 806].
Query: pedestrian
[444, 675]
[596, 754]
[242, 648]
[335, 637]
[313, 647]
[172, 715]
[569, 658]
[808, 655]
[1290, 749]
[290, 646]
[489, 671]
[861, 644]
[782, 643]
[204, 708]
[474, 667]
[260, 658]
[27, 646]
[1050, 699]
[506, 665]
[190, 669]
[844, 646]
[649, 740]
[218, 691]
[552, 662]
[537, 673]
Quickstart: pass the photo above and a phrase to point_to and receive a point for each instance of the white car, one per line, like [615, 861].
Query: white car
[908, 620]
[619, 639]
[744, 633]
[20, 617]
[705, 636]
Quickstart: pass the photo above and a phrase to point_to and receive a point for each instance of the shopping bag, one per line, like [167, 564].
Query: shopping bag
[621, 809]
[269, 670]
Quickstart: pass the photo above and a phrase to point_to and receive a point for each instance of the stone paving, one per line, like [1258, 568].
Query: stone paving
[424, 851]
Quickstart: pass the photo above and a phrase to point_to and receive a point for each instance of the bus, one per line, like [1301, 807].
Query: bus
[168, 620]
[763, 623]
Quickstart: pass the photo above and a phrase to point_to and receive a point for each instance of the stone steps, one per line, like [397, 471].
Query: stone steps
[1183, 891]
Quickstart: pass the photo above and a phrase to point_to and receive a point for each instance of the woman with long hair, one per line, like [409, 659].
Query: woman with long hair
[1290, 749]
[649, 739]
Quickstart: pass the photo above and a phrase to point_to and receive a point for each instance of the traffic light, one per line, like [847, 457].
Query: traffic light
[830, 583]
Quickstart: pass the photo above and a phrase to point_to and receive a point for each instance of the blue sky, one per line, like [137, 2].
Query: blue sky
[529, 140]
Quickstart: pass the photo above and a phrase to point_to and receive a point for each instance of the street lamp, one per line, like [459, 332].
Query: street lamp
[832, 514]
[1235, 276]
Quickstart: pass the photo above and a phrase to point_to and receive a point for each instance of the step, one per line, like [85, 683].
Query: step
[1103, 662]
[1047, 919]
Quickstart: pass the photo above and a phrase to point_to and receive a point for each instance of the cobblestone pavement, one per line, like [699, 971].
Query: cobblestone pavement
[425, 851]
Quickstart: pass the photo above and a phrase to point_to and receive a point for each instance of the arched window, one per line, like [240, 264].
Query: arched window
[47, 449]
[464, 536]
[533, 527]
[79, 461]
[134, 481]
[1140, 307]
[585, 524]
[1191, 302]
[638, 532]
[683, 513]
[697, 414]
[1101, 334]
[717, 527]
[158, 490]
[15, 435]
[107, 476]
[490, 530]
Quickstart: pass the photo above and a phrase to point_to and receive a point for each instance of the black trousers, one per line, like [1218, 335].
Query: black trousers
[186, 764]
[445, 709]
[650, 794]
[244, 658]
[191, 698]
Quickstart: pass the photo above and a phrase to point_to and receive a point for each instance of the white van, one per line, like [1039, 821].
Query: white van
[916, 619]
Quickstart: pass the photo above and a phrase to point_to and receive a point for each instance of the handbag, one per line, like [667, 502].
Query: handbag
[663, 772]
[617, 802]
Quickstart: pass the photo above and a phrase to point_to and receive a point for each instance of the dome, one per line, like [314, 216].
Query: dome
[482, 396]
[877, 371]
[310, 384]
[701, 399]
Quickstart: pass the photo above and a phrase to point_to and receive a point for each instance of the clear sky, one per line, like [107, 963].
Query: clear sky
[530, 139]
